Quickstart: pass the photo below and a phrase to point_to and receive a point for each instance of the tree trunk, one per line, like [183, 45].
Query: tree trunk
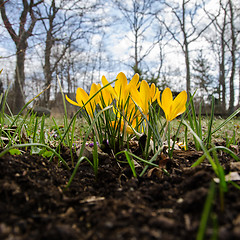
[233, 56]
[136, 52]
[185, 48]
[239, 86]
[20, 41]
[19, 98]
[187, 62]
[222, 71]
[47, 68]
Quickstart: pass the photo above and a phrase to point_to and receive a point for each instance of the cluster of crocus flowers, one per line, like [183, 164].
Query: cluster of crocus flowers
[122, 88]
[131, 100]
[124, 108]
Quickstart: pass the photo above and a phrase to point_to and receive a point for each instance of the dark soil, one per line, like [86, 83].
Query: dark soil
[34, 204]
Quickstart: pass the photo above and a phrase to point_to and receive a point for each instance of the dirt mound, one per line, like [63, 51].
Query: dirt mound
[34, 204]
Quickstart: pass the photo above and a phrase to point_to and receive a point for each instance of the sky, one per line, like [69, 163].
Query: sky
[117, 44]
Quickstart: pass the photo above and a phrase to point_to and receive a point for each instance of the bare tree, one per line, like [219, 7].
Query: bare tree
[239, 86]
[224, 43]
[138, 14]
[185, 27]
[25, 28]
[232, 49]
[51, 12]
[65, 22]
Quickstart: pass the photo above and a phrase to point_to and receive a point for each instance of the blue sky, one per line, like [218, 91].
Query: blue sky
[117, 46]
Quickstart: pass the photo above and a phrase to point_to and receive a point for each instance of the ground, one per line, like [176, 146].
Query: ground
[35, 205]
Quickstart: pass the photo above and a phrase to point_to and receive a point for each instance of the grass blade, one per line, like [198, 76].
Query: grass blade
[206, 152]
[75, 171]
[209, 136]
[42, 133]
[206, 212]
[131, 164]
[95, 157]
[222, 148]
[36, 145]
[19, 114]
[227, 120]
[35, 130]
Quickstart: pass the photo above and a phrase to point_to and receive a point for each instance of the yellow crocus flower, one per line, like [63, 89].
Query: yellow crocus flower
[145, 96]
[82, 97]
[172, 108]
[105, 96]
[125, 108]
[121, 89]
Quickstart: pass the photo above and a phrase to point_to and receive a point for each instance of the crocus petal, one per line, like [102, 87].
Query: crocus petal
[136, 96]
[145, 95]
[134, 83]
[120, 85]
[166, 102]
[179, 104]
[156, 96]
[132, 88]
[172, 108]
[81, 97]
[94, 88]
[105, 98]
[109, 88]
[129, 130]
[94, 101]
[71, 101]
[152, 90]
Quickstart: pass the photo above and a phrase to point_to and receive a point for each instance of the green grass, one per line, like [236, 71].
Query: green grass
[229, 133]
[46, 137]
[226, 133]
